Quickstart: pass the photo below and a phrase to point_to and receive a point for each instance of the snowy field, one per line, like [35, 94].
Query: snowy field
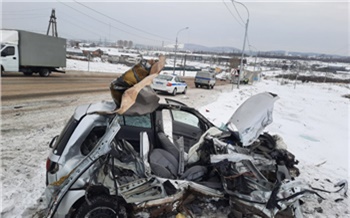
[312, 118]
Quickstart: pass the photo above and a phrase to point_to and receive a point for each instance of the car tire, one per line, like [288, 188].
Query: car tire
[44, 72]
[174, 92]
[185, 90]
[100, 206]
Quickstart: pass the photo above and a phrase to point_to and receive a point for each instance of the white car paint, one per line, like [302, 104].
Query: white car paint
[169, 83]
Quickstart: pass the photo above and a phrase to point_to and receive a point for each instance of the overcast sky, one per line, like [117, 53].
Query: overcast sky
[304, 26]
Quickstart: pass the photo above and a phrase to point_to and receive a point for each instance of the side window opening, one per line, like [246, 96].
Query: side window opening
[91, 140]
[186, 118]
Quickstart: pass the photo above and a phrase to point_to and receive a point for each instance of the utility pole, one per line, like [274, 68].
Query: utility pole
[184, 65]
[186, 28]
[244, 41]
[53, 23]
[256, 56]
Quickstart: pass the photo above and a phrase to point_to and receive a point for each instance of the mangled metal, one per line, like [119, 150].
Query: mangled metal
[252, 172]
[250, 119]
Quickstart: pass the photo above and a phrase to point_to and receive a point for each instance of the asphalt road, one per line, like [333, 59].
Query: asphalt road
[17, 86]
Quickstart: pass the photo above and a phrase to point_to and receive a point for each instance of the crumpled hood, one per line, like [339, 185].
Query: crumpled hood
[251, 118]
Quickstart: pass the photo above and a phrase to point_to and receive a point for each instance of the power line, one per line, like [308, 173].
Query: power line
[135, 28]
[69, 20]
[237, 11]
[64, 34]
[106, 23]
[88, 30]
[232, 14]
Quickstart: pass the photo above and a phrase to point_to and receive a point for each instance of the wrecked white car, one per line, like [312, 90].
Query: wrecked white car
[126, 170]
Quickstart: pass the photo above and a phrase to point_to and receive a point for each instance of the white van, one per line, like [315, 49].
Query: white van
[205, 79]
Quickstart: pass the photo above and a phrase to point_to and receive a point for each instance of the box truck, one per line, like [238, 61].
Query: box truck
[28, 52]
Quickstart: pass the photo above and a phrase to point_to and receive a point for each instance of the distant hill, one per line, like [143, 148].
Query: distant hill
[273, 53]
[217, 49]
[228, 49]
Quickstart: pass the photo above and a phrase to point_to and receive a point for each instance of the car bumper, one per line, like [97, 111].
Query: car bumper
[168, 89]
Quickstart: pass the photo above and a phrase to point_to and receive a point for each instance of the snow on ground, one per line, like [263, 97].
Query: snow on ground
[313, 120]
[76, 65]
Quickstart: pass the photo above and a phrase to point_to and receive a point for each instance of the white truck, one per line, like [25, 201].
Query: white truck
[28, 52]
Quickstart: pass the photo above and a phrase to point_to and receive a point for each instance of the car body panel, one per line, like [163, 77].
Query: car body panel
[205, 78]
[167, 83]
[251, 118]
[188, 129]
[64, 208]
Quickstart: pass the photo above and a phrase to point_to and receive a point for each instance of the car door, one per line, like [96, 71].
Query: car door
[185, 124]
[131, 126]
[179, 84]
[174, 102]
[9, 58]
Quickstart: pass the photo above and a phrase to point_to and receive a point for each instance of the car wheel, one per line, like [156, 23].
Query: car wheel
[208, 86]
[100, 206]
[185, 90]
[44, 72]
[174, 92]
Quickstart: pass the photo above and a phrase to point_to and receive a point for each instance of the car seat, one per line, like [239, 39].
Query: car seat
[166, 161]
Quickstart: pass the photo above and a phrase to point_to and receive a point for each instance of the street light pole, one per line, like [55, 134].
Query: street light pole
[176, 46]
[241, 65]
[245, 39]
[256, 55]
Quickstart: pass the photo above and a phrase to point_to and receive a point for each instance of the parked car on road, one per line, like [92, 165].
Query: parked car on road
[171, 84]
[205, 79]
[138, 164]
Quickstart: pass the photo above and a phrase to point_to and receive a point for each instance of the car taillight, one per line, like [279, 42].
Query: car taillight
[169, 84]
[48, 163]
[51, 167]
